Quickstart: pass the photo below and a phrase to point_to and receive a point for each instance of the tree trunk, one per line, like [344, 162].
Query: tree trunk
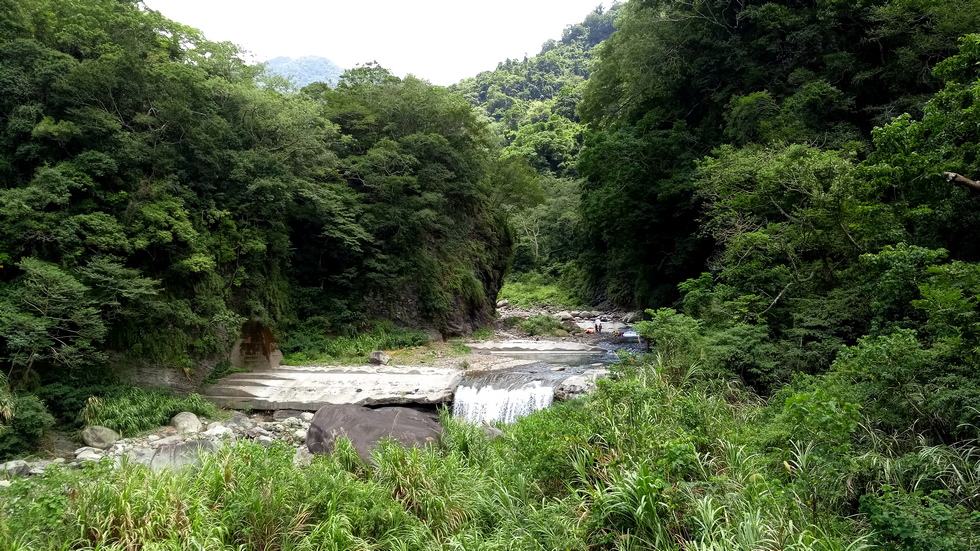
[962, 180]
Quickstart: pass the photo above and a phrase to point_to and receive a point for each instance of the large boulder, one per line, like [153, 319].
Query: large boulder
[365, 426]
[99, 437]
[379, 357]
[186, 423]
[564, 315]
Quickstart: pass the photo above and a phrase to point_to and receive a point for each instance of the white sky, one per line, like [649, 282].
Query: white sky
[441, 41]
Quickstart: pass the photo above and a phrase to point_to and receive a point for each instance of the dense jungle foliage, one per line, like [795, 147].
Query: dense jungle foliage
[766, 178]
[157, 192]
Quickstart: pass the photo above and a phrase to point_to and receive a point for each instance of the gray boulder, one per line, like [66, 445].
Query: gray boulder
[365, 426]
[239, 422]
[16, 467]
[302, 457]
[180, 455]
[379, 357]
[218, 431]
[99, 437]
[89, 454]
[503, 302]
[577, 385]
[564, 315]
[186, 423]
[632, 317]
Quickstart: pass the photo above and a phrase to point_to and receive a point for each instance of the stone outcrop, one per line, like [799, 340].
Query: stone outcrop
[364, 427]
[310, 387]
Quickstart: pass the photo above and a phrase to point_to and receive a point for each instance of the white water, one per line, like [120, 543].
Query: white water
[493, 404]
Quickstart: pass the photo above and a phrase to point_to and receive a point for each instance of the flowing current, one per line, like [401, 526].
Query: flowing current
[489, 404]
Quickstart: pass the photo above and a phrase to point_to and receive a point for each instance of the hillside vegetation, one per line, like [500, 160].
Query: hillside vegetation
[154, 197]
[787, 189]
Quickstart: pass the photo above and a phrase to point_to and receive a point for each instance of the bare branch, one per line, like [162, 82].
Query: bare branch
[962, 180]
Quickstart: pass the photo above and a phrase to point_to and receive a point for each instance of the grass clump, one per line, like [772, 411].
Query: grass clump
[483, 333]
[541, 324]
[537, 290]
[310, 345]
[136, 410]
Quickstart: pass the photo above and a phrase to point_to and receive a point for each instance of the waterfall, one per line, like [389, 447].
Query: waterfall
[487, 403]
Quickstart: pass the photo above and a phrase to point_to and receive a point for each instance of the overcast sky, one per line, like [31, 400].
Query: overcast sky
[441, 41]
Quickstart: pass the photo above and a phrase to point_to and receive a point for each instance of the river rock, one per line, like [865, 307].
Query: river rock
[88, 454]
[379, 357]
[217, 431]
[502, 303]
[16, 467]
[299, 435]
[632, 317]
[577, 385]
[306, 416]
[282, 414]
[565, 315]
[365, 426]
[303, 457]
[99, 437]
[5, 483]
[239, 422]
[166, 441]
[186, 423]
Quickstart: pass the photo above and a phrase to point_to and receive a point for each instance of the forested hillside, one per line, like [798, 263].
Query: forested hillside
[305, 70]
[532, 104]
[154, 197]
[789, 190]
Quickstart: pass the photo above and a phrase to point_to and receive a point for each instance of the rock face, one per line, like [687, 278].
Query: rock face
[366, 426]
[309, 387]
[379, 357]
[186, 423]
[99, 437]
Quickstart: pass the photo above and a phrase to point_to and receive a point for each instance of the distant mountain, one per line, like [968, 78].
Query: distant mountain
[305, 70]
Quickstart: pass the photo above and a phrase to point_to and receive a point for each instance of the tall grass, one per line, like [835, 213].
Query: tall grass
[656, 458]
[307, 346]
[135, 410]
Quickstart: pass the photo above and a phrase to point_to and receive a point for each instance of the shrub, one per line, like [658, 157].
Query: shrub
[534, 290]
[544, 441]
[918, 522]
[24, 425]
[542, 324]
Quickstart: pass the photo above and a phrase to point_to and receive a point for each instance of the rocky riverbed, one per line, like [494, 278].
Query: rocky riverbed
[181, 443]
[176, 445]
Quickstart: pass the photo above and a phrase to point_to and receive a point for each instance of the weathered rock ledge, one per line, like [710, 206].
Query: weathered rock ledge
[309, 387]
